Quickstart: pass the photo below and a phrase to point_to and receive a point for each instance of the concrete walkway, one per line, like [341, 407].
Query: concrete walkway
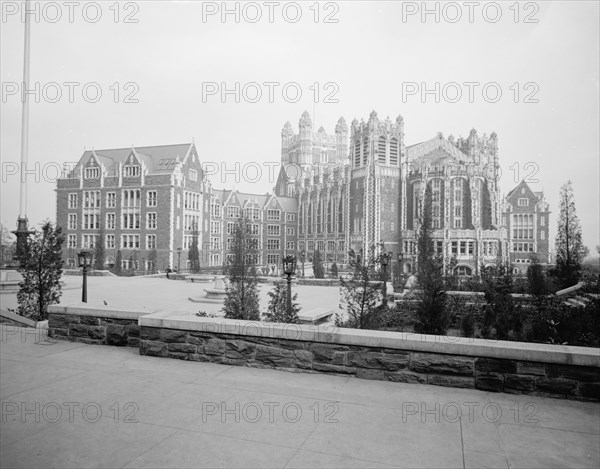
[74, 405]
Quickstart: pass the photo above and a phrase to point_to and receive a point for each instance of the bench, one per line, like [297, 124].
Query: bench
[314, 315]
[199, 278]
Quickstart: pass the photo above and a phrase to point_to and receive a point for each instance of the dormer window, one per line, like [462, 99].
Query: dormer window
[131, 171]
[523, 202]
[92, 173]
[193, 175]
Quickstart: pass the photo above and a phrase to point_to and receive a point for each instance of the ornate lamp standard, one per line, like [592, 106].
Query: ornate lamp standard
[302, 259]
[386, 258]
[178, 259]
[289, 269]
[85, 262]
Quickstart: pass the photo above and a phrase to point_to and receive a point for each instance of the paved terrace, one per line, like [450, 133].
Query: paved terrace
[151, 294]
[74, 405]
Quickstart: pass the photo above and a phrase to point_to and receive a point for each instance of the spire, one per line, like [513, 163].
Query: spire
[305, 119]
[341, 125]
[287, 130]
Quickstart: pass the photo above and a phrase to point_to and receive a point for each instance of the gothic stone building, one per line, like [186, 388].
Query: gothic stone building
[334, 193]
[374, 192]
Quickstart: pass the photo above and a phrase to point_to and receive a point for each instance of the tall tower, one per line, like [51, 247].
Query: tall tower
[376, 153]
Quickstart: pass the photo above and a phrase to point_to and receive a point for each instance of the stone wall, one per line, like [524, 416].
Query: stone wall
[512, 367]
[404, 366]
[94, 326]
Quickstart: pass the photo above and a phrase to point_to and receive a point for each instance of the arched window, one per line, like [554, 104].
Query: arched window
[381, 150]
[464, 271]
[357, 153]
[394, 152]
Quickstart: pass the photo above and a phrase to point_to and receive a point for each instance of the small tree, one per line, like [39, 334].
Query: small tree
[193, 254]
[334, 270]
[152, 260]
[318, 268]
[99, 252]
[241, 301]
[41, 267]
[451, 277]
[7, 245]
[361, 296]
[570, 250]
[117, 270]
[536, 281]
[501, 313]
[432, 317]
[278, 305]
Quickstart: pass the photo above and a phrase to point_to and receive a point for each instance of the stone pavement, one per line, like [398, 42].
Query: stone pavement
[152, 294]
[75, 405]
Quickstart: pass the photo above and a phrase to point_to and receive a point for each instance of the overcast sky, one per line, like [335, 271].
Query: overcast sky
[364, 56]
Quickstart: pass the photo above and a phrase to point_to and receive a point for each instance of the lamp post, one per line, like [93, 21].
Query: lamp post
[384, 257]
[85, 262]
[302, 259]
[289, 269]
[401, 268]
[178, 260]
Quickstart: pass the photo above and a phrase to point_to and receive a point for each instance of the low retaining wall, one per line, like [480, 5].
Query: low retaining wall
[512, 367]
[94, 325]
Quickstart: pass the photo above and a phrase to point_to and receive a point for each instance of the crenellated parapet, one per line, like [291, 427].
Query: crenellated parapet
[377, 141]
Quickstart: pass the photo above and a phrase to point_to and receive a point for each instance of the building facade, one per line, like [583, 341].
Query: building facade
[354, 189]
[463, 177]
[375, 193]
[526, 215]
[146, 204]
[274, 226]
[142, 203]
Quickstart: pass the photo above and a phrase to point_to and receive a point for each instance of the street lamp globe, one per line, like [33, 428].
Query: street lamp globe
[84, 258]
[289, 265]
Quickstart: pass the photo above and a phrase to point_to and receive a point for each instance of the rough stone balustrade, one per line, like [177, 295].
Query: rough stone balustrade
[512, 367]
[94, 326]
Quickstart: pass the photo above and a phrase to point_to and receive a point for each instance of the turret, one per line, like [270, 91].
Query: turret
[305, 124]
[473, 144]
[341, 141]
[286, 134]
[373, 121]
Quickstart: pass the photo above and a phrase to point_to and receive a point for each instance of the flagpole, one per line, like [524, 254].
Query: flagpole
[22, 231]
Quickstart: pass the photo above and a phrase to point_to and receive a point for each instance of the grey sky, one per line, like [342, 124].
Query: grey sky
[368, 54]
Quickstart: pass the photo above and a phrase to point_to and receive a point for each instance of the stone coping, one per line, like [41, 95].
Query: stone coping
[327, 333]
[23, 321]
[98, 311]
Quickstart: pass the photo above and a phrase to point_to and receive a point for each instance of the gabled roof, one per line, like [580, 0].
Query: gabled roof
[289, 204]
[161, 158]
[435, 149]
[523, 184]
